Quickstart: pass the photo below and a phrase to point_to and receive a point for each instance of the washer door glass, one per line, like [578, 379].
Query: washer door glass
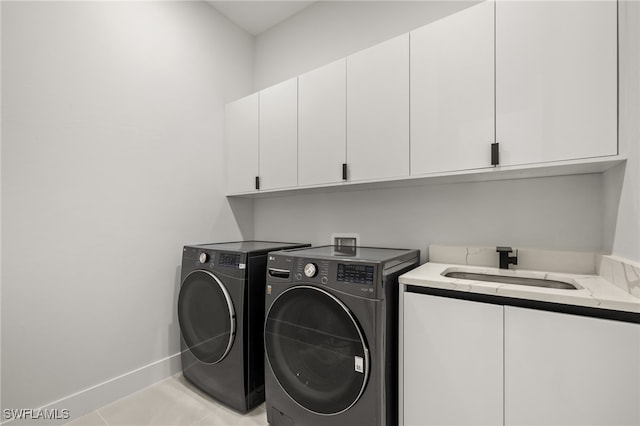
[316, 350]
[206, 316]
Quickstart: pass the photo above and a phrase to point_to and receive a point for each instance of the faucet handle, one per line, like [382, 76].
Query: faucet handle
[505, 260]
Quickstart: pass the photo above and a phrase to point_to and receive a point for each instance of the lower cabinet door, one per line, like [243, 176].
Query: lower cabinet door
[452, 362]
[564, 369]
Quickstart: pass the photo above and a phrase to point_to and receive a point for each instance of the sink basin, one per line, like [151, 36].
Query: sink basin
[504, 279]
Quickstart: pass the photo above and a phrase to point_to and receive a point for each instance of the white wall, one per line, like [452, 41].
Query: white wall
[559, 213]
[113, 129]
[330, 30]
[556, 212]
[622, 184]
[1, 109]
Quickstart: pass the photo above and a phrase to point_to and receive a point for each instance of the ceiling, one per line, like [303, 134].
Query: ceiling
[256, 17]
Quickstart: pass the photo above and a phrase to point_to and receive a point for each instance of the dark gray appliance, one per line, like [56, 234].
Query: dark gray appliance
[331, 335]
[221, 317]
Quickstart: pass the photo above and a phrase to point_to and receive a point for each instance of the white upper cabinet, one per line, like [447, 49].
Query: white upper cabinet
[378, 111]
[536, 78]
[242, 144]
[556, 80]
[452, 92]
[279, 135]
[322, 124]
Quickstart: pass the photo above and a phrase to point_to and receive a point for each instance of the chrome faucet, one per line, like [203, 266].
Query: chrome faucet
[505, 259]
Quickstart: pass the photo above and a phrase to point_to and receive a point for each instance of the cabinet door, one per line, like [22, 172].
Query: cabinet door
[556, 80]
[378, 111]
[279, 135]
[242, 144]
[322, 124]
[568, 370]
[452, 92]
[452, 361]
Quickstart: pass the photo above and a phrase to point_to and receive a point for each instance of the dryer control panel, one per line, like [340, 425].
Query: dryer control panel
[230, 260]
[232, 264]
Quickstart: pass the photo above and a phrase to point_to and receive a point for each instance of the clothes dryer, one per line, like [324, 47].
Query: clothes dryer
[331, 326]
[221, 317]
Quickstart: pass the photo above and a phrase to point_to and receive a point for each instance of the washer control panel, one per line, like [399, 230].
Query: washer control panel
[351, 277]
[354, 273]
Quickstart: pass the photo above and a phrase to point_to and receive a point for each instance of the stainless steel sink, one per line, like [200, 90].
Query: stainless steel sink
[503, 279]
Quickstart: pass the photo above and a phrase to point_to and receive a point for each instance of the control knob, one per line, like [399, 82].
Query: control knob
[203, 258]
[310, 270]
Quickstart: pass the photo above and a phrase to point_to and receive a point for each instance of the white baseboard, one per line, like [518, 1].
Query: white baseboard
[94, 397]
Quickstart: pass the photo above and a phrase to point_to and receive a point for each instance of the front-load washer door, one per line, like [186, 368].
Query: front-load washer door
[206, 316]
[316, 350]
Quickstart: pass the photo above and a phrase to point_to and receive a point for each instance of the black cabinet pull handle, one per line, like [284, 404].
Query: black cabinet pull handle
[257, 182]
[344, 171]
[495, 154]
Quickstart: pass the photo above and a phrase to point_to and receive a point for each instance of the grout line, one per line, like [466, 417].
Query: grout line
[201, 419]
[102, 417]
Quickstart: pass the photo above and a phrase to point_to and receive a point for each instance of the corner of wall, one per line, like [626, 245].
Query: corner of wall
[244, 213]
[621, 185]
[1, 406]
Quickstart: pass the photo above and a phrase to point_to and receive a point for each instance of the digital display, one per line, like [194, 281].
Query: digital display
[357, 274]
[231, 260]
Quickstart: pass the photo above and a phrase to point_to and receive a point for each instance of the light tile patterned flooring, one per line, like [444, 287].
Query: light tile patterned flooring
[171, 402]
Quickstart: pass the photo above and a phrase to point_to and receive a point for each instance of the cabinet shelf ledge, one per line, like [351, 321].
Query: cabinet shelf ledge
[527, 171]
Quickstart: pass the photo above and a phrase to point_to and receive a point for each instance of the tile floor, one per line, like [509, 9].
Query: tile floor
[171, 402]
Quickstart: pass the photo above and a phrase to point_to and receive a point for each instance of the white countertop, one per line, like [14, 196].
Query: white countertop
[594, 290]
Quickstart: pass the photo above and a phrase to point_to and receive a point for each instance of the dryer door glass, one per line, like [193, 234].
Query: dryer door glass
[206, 316]
[316, 350]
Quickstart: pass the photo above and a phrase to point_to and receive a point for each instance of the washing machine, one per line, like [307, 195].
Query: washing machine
[221, 318]
[331, 333]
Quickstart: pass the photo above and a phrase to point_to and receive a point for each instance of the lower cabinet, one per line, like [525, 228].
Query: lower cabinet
[564, 369]
[452, 362]
[472, 363]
